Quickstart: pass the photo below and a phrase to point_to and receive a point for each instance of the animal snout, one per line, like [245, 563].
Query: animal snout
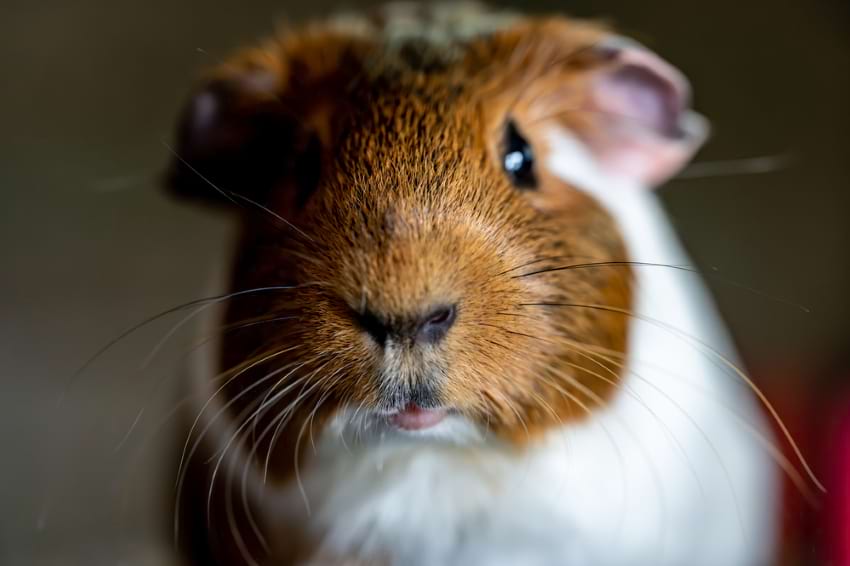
[430, 327]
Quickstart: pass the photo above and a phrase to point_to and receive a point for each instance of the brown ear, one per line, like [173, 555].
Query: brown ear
[629, 109]
[259, 121]
[226, 132]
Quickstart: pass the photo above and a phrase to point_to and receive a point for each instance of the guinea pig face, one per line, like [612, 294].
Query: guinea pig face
[416, 266]
[424, 236]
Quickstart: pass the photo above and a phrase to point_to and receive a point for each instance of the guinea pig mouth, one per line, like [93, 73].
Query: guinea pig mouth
[414, 417]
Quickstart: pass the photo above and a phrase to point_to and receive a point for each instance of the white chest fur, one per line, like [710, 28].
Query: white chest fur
[671, 473]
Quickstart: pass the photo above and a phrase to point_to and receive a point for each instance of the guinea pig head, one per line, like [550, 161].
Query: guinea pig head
[407, 256]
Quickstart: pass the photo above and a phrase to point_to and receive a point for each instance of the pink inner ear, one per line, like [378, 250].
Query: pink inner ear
[203, 114]
[637, 94]
[645, 129]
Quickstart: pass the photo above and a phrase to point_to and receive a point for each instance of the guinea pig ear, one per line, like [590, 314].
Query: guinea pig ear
[232, 137]
[642, 127]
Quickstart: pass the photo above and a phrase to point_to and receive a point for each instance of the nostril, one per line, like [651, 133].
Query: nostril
[428, 329]
[373, 326]
[441, 316]
[436, 324]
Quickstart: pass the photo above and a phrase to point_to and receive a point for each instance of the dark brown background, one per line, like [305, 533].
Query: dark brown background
[89, 90]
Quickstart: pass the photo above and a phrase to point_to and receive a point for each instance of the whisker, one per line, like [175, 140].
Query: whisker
[604, 264]
[609, 355]
[182, 478]
[198, 440]
[290, 409]
[265, 404]
[250, 458]
[228, 328]
[727, 475]
[731, 167]
[718, 356]
[242, 426]
[507, 403]
[232, 196]
[222, 387]
[713, 274]
[232, 524]
[220, 458]
[247, 416]
[296, 452]
[165, 378]
[541, 260]
[138, 326]
[776, 454]
[249, 462]
[146, 442]
[653, 469]
[246, 468]
[612, 441]
[588, 354]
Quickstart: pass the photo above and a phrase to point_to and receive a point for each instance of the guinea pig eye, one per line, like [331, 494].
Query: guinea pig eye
[518, 159]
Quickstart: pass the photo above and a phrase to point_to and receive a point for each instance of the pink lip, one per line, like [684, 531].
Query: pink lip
[417, 418]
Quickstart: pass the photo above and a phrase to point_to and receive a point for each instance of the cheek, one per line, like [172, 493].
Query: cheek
[498, 342]
[354, 360]
[552, 350]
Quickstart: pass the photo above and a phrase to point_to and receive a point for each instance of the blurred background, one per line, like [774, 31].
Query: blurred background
[90, 246]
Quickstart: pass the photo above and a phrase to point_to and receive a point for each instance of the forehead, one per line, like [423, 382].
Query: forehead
[422, 35]
[421, 53]
[419, 84]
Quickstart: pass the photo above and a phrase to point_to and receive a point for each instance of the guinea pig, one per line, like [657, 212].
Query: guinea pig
[459, 329]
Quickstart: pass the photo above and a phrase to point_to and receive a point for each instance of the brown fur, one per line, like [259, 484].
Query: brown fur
[412, 209]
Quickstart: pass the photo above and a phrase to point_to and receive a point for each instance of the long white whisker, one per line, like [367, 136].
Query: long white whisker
[705, 348]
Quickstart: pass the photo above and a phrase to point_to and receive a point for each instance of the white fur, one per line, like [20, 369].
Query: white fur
[669, 474]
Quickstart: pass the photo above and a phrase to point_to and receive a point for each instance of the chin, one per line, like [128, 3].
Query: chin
[365, 429]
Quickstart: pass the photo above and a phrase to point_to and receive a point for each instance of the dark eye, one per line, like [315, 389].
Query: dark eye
[518, 159]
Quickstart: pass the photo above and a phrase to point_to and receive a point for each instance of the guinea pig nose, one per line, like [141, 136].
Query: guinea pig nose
[429, 328]
[434, 326]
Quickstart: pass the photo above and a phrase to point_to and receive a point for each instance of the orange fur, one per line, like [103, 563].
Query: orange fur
[412, 209]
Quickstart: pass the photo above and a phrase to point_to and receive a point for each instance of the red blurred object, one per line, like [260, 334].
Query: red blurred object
[837, 460]
[815, 529]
